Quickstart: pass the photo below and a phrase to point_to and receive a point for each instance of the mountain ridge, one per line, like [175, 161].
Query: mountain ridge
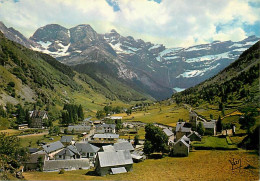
[161, 70]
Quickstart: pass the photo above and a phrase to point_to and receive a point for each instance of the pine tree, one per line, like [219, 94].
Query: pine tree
[219, 124]
[80, 113]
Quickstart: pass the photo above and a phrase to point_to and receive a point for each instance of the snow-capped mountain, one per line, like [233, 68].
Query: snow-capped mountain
[151, 68]
[182, 67]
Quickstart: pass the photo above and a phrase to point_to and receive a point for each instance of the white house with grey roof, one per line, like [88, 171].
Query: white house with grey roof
[87, 150]
[106, 128]
[70, 152]
[113, 162]
[52, 148]
[170, 135]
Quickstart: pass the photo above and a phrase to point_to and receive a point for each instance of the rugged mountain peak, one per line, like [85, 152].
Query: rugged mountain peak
[52, 33]
[83, 33]
[16, 36]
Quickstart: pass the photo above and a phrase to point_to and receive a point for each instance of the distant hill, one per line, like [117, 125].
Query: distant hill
[28, 76]
[237, 82]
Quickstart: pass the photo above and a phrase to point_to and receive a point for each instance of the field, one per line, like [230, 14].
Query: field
[200, 165]
[210, 142]
[140, 133]
[26, 139]
[163, 114]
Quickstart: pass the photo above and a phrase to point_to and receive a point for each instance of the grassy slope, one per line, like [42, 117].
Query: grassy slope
[200, 165]
[158, 113]
[47, 80]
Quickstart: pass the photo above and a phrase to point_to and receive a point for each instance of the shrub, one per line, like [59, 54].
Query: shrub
[62, 171]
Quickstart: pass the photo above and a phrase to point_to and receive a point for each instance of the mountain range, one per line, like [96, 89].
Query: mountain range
[148, 68]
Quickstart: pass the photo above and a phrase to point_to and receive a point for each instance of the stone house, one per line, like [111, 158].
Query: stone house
[37, 118]
[106, 128]
[113, 162]
[181, 130]
[194, 136]
[32, 162]
[181, 148]
[68, 153]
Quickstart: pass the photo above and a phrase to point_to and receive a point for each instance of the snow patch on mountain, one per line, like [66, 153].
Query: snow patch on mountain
[196, 48]
[177, 89]
[154, 47]
[210, 57]
[195, 73]
[45, 45]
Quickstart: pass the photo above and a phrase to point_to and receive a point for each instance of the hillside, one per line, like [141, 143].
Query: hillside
[33, 77]
[237, 83]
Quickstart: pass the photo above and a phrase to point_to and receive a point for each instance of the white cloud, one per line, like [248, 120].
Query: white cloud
[172, 22]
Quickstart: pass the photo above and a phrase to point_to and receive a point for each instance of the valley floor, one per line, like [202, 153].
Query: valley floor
[200, 165]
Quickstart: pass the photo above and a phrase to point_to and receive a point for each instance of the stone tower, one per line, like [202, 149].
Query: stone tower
[193, 120]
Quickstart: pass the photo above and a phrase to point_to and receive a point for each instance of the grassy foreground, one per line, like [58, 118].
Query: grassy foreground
[200, 165]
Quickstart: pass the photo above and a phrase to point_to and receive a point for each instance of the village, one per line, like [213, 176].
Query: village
[99, 145]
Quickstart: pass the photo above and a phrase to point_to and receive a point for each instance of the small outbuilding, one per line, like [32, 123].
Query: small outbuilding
[181, 148]
[194, 136]
[111, 162]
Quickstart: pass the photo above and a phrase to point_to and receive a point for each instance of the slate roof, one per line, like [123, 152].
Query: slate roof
[113, 126]
[38, 114]
[86, 148]
[167, 132]
[55, 165]
[106, 135]
[108, 148]
[78, 127]
[209, 125]
[66, 139]
[52, 147]
[66, 152]
[33, 150]
[73, 149]
[194, 132]
[183, 141]
[179, 125]
[118, 170]
[123, 146]
[185, 138]
[34, 158]
[107, 159]
[185, 130]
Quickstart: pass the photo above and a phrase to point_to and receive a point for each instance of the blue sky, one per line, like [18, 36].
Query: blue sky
[170, 22]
